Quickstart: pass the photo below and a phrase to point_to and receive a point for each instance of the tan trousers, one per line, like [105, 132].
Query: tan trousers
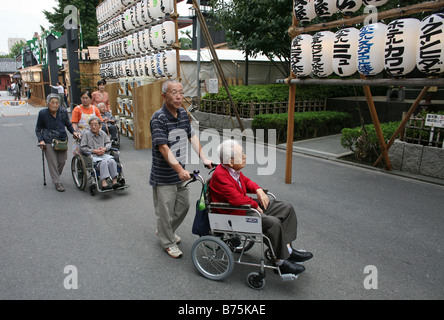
[171, 204]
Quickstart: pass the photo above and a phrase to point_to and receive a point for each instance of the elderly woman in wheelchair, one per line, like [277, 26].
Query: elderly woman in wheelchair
[99, 159]
[234, 213]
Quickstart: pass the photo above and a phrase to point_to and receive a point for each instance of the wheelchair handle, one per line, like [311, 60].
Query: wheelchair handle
[196, 176]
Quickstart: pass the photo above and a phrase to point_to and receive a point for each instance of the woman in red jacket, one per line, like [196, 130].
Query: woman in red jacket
[279, 222]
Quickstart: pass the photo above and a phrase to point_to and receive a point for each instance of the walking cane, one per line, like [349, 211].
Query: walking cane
[43, 162]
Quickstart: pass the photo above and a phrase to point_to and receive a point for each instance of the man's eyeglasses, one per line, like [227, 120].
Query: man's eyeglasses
[177, 93]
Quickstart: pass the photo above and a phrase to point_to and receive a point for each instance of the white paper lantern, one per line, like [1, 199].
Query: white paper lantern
[401, 46]
[430, 53]
[146, 64]
[322, 53]
[301, 57]
[147, 41]
[345, 52]
[148, 17]
[348, 6]
[170, 64]
[167, 6]
[375, 3]
[168, 33]
[139, 13]
[155, 8]
[325, 8]
[304, 10]
[371, 47]
[128, 20]
[158, 65]
[156, 36]
[130, 45]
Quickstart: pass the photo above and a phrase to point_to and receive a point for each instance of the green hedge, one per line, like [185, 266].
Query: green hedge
[366, 146]
[279, 92]
[306, 124]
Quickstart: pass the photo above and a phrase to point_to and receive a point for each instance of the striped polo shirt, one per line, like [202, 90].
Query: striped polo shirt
[174, 132]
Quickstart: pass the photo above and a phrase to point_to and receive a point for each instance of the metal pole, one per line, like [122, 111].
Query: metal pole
[198, 58]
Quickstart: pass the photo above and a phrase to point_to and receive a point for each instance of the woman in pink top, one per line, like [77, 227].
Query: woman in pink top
[101, 96]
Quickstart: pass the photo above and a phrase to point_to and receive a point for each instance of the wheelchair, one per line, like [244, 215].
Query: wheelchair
[84, 170]
[213, 254]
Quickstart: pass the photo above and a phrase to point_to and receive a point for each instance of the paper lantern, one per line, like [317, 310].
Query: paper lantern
[129, 45]
[168, 33]
[430, 53]
[322, 53]
[167, 6]
[371, 45]
[325, 8]
[156, 36]
[146, 66]
[304, 10]
[301, 57]
[128, 22]
[158, 65]
[147, 40]
[348, 6]
[149, 18]
[155, 8]
[375, 3]
[401, 46]
[345, 52]
[138, 10]
[169, 64]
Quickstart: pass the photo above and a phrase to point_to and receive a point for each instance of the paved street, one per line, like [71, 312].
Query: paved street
[349, 217]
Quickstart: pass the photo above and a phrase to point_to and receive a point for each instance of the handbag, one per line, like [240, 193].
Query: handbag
[60, 145]
[201, 223]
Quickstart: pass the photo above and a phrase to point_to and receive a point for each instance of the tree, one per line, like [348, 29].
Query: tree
[255, 27]
[87, 15]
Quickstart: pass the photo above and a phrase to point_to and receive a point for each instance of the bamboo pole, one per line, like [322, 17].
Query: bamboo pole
[403, 122]
[210, 44]
[175, 17]
[290, 121]
[376, 123]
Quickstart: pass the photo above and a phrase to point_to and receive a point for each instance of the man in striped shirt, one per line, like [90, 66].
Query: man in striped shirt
[170, 131]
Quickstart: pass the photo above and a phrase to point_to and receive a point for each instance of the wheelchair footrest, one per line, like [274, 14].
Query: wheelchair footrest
[289, 277]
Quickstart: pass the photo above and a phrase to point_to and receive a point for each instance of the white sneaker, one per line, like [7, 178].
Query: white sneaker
[174, 251]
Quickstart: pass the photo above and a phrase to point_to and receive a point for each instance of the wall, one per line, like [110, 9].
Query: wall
[417, 159]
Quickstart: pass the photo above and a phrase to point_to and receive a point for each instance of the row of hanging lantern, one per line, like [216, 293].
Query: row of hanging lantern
[161, 64]
[136, 39]
[307, 10]
[139, 15]
[149, 40]
[397, 48]
[140, 12]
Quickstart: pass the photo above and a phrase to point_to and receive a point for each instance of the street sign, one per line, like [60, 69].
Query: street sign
[435, 120]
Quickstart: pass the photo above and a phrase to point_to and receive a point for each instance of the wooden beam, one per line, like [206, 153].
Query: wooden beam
[397, 12]
[429, 82]
[376, 123]
[209, 41]
[404, 121]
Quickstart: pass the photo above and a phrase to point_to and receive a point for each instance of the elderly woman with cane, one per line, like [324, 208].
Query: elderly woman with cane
[52, 137]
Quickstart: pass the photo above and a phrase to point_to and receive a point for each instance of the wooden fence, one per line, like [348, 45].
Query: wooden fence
[416, 132]
[251, 109]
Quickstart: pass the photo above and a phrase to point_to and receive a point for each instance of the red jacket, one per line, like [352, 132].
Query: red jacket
[223, 188]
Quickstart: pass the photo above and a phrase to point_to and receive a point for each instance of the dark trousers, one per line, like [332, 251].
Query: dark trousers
[279, 224]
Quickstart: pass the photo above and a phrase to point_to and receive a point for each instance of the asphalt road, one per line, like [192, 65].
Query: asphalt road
[349, 217]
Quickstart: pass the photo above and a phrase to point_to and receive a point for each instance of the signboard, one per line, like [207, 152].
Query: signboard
[213, 86]
[435, 120]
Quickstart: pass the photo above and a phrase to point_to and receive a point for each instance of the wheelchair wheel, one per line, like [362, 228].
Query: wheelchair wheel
[212, 258]
[238, 244]
[256, 281]
[78, 170]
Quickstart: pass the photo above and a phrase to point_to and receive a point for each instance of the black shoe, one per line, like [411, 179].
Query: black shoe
[290, 267]
[300, 256]
[106, 188]
[117, 186]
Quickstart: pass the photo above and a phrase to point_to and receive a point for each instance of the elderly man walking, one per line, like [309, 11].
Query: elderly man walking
[171, 130]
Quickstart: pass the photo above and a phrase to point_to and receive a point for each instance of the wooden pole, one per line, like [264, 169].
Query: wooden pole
[210, 44]
[376, 123]
[404, 121]
[175, 17]
[290, 121]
